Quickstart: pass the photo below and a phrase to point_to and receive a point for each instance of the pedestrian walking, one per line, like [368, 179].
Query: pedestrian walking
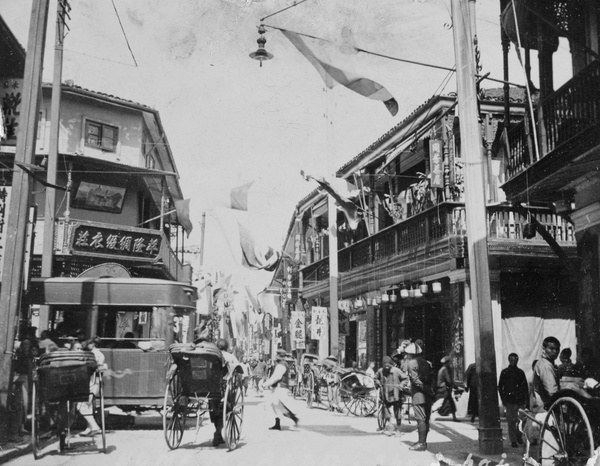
[420, 374]
[246, 374]
[259, 373]
[277, 383]
[514, 394]
[392, 382]
[472, 388]
[445, 386]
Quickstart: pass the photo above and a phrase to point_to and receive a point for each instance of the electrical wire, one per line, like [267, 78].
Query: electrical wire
[124, 34]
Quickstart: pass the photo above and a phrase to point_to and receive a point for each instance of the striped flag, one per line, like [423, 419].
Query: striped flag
[254, 254]
[332, 75]
[342, 192]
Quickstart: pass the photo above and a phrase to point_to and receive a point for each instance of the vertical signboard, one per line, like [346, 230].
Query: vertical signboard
[319, 323]
[4, 206]
[297, 329]
[436, 162]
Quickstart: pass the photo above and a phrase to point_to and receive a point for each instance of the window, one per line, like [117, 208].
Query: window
[101, 136]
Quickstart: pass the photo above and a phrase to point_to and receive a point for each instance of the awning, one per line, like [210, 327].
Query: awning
[111, 292]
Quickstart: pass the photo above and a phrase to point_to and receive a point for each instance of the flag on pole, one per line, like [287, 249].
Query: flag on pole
[332, 75]
[239, 196]
[342, 192]
[182, 207]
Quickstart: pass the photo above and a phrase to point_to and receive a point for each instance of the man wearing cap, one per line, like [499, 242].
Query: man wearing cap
[420, 374]
[393, 382]
[445, 385]
[278, 382]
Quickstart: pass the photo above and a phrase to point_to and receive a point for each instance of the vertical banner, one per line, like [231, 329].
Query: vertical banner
[4, 206]
[297, 329]
[436, 162]
[319, 323]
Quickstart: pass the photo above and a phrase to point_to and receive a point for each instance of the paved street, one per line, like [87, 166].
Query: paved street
[322, 438]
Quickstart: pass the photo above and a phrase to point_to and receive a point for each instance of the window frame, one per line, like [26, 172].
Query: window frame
[102, 127]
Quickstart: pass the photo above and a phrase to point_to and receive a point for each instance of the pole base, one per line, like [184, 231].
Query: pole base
[490, 440]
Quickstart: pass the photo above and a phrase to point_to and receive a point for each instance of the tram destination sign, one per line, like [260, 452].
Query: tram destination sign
[100, 241]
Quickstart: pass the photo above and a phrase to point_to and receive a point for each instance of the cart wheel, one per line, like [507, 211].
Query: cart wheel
[566, 437]
[382, 419]
[310, 390]
[36, 411]
[102, 418]
[174, 415]
[233, 411]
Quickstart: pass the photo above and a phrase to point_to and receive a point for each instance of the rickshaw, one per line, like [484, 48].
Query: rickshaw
[62, 379]
[198, 382]
[322, 383]
[358, 393]
[570, 432]
[307, 360]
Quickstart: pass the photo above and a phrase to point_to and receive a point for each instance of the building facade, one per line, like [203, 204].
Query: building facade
[404, 272]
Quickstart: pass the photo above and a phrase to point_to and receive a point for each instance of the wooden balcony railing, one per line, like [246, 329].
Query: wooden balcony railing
[447, 220]
[572, 109]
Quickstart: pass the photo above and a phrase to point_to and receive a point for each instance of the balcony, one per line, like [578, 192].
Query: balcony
[432, 241]
[136, 247]
[568, 127]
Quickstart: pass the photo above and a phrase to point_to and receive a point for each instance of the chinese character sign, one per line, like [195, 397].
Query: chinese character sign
[319, 323]
[297, 326]
[437, 163]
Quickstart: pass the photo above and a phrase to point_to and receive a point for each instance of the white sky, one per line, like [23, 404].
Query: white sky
[227, 120]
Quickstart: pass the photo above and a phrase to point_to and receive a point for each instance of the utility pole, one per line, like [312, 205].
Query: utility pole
[62, 12]
[16, 227]
[334, 334]
[490, 432]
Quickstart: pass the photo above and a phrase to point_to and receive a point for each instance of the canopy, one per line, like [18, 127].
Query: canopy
[111, 292]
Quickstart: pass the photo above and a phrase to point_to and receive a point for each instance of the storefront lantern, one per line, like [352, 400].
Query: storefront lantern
[436, 287]
[403, 292]
[424, 288]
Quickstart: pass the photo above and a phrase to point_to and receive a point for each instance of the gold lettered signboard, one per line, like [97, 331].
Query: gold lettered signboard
[96, 240]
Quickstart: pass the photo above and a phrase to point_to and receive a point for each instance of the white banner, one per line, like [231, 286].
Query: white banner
[319, 323]
[4, 207]
[298, 327]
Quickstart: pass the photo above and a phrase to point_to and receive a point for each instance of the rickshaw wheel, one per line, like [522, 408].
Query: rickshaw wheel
[174, 417]
[233, 411]
[310, 390]
[566, 436]
[36, 411]
[381, 417]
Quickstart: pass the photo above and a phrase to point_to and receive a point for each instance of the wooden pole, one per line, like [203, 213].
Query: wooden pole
[50, 206]
[16, 227]
[333, 278]
[490, 432]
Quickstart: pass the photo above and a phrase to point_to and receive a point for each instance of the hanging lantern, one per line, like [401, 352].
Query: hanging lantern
[385, 297]
[403, 292]
[411, 292]
[436, 287]
[424, 288]
[378, 300]
[393, 297]
[358, 303]
[418, 293]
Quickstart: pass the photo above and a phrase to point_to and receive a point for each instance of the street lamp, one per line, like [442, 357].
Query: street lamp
[261, 54]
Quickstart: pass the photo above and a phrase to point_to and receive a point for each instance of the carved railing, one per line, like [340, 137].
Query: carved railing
[447, 220]
[572, 109]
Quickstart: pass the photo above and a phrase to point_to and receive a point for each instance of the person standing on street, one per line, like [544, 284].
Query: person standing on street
[259, 373]
[246, 376]
[278, 382]
[421, 377]
[514, 394]
[472, 388]
[393, 382]
[445, 385]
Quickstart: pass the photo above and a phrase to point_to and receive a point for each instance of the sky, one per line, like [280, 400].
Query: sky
[230, 121]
